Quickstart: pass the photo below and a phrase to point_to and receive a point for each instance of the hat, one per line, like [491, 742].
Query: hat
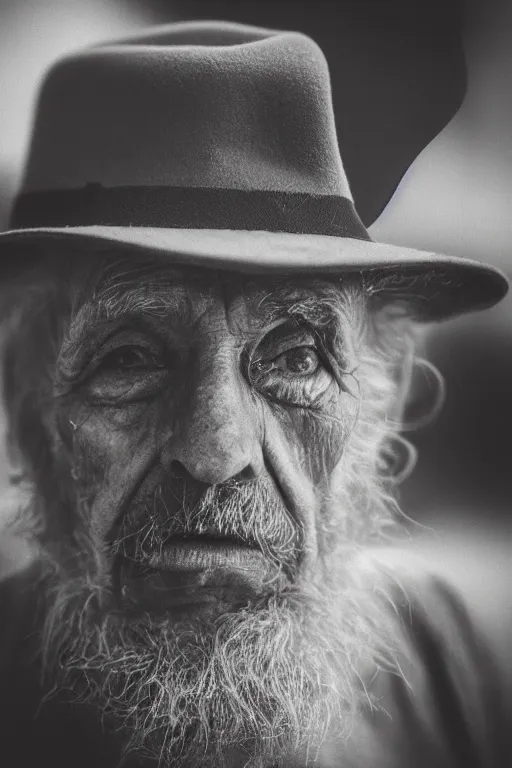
[213, 144]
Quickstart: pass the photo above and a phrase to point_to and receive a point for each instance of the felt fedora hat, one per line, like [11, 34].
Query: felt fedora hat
[215, 145]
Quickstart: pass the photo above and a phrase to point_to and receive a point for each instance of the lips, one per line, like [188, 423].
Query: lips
[191, 573]
[204, 553]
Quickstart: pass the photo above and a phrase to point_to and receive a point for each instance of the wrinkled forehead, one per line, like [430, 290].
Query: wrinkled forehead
[116, 287]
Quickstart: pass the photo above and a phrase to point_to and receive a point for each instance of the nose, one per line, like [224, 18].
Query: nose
[216, 437]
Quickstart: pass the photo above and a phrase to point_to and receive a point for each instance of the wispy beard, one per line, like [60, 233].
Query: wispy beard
[269, 682]
[265, 683]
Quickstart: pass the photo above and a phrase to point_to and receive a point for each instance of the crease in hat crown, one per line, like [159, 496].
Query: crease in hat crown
[212, 144]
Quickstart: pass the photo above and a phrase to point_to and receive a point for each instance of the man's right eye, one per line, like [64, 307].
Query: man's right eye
[127, 373]
[131, 358]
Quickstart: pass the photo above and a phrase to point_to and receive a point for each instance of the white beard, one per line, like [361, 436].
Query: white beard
[267, 683]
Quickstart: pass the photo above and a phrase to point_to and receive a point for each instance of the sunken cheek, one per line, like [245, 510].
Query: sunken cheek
[104, 447]
[319, 436]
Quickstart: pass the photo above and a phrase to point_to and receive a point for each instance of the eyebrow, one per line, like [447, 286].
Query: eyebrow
[125, 286]
[144, 289]
[150, 299]
[156, 301]
[320, 307]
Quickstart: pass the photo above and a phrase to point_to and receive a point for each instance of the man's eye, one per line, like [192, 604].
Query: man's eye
[301, 361]
[296, 376]
[126, 374]
[130, 358]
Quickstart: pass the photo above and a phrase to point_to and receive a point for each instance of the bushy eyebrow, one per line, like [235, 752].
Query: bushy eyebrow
[126, 287]
[324, 307]
[155, 301]
[141, 290]
[306, 309]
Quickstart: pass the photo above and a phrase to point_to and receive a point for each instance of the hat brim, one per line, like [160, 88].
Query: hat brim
[438, 286]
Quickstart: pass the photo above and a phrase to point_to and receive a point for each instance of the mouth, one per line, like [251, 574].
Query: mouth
[192, 573]
[205, 553]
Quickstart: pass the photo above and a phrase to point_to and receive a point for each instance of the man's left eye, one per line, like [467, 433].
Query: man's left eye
[300, 361]
[296, 376]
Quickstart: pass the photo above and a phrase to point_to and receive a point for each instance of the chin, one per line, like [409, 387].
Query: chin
[244, 675]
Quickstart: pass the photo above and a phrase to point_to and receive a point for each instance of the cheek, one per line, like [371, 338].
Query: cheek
[319, 437]
[108, 452]
[327, 434]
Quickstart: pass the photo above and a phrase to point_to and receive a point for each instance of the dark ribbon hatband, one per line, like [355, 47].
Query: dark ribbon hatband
[189, 208]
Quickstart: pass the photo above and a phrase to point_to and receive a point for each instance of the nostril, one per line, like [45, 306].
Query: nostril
[246, 474]
[180, 472]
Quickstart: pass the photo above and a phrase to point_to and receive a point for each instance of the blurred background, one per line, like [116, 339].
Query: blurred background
[424, 118]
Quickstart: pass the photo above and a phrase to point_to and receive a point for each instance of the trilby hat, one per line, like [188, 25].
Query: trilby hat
[215, 145]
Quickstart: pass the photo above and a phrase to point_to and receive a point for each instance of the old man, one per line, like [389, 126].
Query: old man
[206, 366]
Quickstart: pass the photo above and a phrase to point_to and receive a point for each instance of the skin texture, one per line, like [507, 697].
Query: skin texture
[220, 383]
[155, 408]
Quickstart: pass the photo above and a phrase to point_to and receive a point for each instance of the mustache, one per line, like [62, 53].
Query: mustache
[249, 513]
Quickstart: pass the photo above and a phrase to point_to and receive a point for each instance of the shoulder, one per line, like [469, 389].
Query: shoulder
[448, 702]
[20, 606]
[38, 730]
[20, 576]
[20, 679]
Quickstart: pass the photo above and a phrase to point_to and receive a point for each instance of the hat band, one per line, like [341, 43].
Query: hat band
[189, 208]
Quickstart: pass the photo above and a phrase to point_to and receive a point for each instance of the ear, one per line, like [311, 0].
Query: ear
[420, 392]
[402, 373]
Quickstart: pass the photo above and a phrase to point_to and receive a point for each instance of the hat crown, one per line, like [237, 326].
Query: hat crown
[213, 145]
[207, 105]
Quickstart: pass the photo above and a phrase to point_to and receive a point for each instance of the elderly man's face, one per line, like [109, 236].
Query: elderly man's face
[198, 383]
[216, 444]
